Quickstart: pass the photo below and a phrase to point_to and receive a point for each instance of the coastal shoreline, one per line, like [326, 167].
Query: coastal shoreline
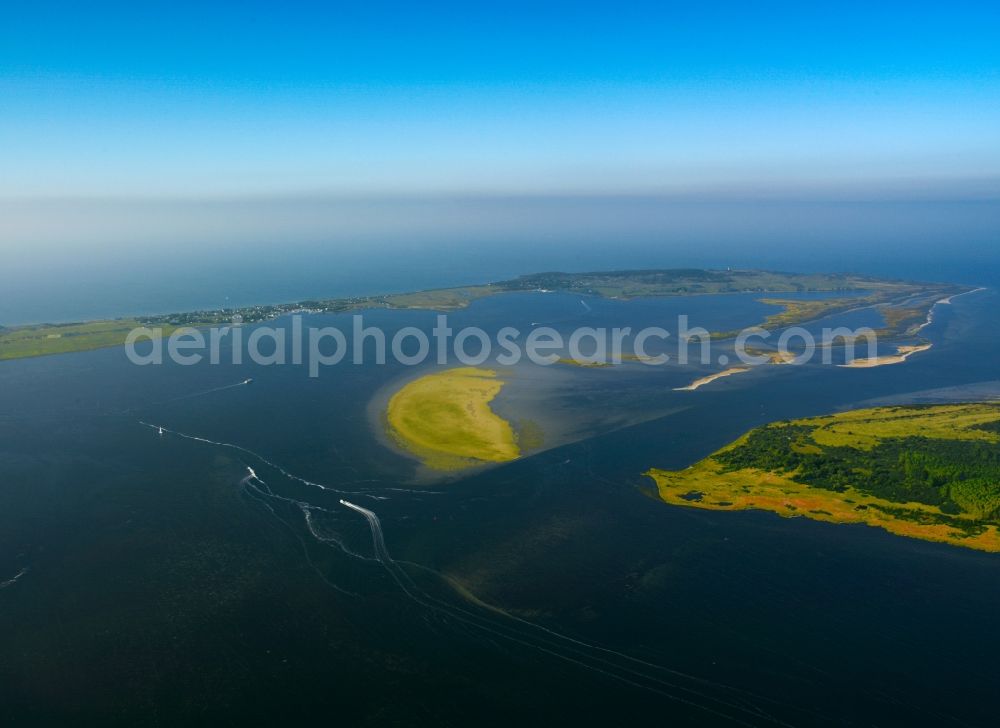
[946, 301]
[902, 354]
[17, 342]
[698, 383]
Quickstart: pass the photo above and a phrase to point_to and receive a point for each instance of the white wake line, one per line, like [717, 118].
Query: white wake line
[244, 383]
[367, 492]
[13, 579]
[247, 484]
[822, 673]
[382, 556]
[187, 396]
[306, 508]
[474, 620]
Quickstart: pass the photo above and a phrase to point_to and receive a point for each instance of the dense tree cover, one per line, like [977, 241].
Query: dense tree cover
[959, 476]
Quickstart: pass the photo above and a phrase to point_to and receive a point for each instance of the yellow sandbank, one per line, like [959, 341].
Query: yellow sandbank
[901, 355]
[445, 419]
[711, 378]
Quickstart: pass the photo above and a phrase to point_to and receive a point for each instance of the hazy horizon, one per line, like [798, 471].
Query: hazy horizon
[178, 147]
[95, 259]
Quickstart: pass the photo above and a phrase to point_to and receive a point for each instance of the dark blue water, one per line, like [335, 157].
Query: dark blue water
[157, 588]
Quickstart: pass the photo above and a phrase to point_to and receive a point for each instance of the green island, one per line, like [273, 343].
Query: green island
[924, 471]
[445, 420]
[905, 306]
[28, 341]
[569, 361]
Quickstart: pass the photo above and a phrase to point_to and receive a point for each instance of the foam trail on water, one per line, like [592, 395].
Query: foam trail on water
[568, 648]
[223, 388]
[191, 395]
[261, 458]
[259, 495]
[13, 579]
[327, 538]
[307, 510]
[493, 621]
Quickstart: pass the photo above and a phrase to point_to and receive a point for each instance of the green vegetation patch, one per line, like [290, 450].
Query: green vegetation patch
[444, 299]
[929, 472]
[904, 305]
[28, 341]
[569, 361]
[445, 419]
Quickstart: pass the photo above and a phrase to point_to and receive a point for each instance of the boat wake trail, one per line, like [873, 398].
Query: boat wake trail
[365, 490]
[258, 490]
[720, 700]
[191, 395]
[244, 383]
[13, 580]
[734, 705]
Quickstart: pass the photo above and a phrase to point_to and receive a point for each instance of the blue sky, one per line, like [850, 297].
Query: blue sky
[187, 100]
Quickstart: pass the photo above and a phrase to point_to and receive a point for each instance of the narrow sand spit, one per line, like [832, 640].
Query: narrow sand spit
[901, 355]
[711, 378]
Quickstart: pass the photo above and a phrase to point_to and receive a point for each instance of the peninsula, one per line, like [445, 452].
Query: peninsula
[927, 472]
[905, 306]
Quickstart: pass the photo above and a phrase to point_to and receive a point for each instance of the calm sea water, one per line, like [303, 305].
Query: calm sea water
[156, 586]
[463, 242]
